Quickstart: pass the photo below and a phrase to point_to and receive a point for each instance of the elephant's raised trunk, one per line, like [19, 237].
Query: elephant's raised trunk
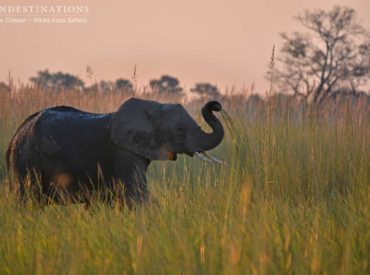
[207, 141]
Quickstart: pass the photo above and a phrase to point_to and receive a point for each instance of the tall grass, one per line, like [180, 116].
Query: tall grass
[293, 196]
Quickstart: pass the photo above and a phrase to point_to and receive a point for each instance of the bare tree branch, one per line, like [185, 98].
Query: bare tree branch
[335, 48]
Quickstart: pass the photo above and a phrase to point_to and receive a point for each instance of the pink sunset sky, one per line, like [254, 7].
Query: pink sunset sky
[226, 42]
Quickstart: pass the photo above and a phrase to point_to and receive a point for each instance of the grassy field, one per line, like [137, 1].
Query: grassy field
[292, 197]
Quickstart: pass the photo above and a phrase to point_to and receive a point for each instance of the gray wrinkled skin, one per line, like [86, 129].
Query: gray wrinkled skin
[62, 150]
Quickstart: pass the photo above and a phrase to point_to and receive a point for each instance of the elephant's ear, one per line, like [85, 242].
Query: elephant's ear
[132, 128]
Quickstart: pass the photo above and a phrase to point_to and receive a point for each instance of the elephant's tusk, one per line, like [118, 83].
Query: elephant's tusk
[213, 158]
[202, 157]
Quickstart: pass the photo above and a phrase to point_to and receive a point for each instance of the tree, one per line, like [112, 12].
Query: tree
[124, 85]
[105, 86]
[166, 84]
[57, 81]
[206, 89]
[336, 48]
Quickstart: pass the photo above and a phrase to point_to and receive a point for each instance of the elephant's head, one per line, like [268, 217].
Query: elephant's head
[160, 131]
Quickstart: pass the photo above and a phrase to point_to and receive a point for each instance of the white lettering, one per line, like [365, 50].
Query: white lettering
[15, 20]
[71, 9]
[58, 20]
[77, 20]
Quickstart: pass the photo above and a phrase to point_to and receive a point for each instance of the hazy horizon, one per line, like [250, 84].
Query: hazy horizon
[227, 43]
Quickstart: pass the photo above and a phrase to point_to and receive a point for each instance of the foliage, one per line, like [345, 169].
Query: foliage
[336, 49]
[106, 86]
[206, 89]
[292, 197]
[124, 84]
[166, 85]
[56, 81]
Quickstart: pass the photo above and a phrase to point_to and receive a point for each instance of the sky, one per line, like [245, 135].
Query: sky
[223, 42]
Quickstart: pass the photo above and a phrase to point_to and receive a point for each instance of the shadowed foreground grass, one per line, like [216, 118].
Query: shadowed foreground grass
[292, 197]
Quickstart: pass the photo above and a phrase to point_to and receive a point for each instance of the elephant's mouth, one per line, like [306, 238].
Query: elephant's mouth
[172, 156]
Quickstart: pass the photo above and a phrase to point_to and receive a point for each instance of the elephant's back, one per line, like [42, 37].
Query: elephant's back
[49, 132]
[68, 126]
[40, 124]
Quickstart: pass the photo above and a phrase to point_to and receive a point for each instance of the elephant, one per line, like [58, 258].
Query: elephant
[63, 150]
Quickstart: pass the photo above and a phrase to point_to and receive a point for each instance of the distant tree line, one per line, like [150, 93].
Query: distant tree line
[64, 81]
[165, 85]
[54, 81]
